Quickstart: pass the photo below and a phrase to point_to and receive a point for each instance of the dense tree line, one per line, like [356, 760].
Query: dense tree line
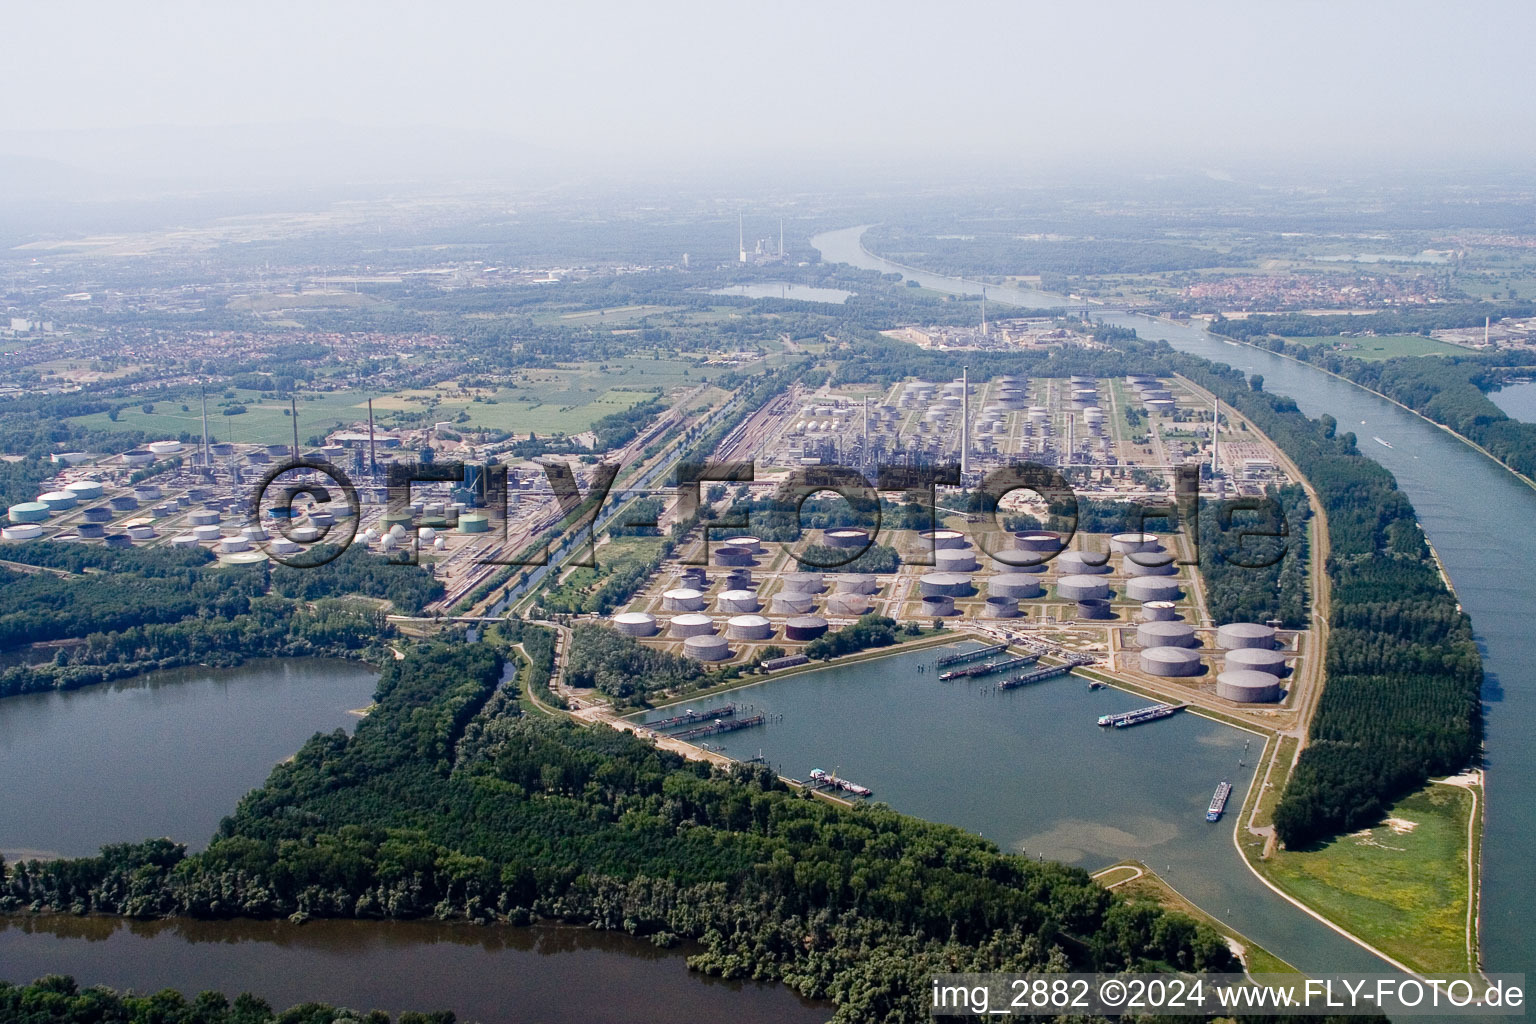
[56, 999]
[876, 558]
[870, 630]
[598, 827]
[1003, 252]
[1257, 578]
[357, 571]
[621, 666]
[1402, 701]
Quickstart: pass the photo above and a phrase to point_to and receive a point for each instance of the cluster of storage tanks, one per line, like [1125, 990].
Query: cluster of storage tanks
[1252, 666]
[1154, 394]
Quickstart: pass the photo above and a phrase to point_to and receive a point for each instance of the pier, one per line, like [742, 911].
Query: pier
[720, 725]
[690, 716]
[1039, 675]
[976, 655]
[822, 780]
[989, 668]
[1125, 719]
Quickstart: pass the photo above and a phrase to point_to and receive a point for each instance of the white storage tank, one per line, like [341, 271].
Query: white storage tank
[944, 539]
[855, 583]
[206, 532]
[229, 545]
[1081, 563]
[997, 607]
[21, 531]
[86, 490]
[1094, 608]
[1158, 611]
[1014, 586]
[1080, 587]
[845, 537]
[1258, 659]
[848, 604]
[147, 492]
[683, 599]
[1124, 543]
[707, 648]
[58, 501]
[748, 627]
[751, 545]
[691, 624]
[937, 606]
[737, 601]
[164, 447]
[1152, 588]
[786, 603]
[1166, 634]
[1238, 635]
[954, 560]
[1246, 686]
[140, 533]
[203, 517]
[635, 623]
[945, 584]
[184, 540]
[1149, 563]
[1170, 661]
[804, 583]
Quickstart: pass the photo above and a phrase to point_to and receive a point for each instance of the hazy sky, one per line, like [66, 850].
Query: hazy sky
[832, 80]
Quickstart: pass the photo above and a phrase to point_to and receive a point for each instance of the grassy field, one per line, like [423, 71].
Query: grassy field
[1401, 886]
[1387, 346]
[265, 421]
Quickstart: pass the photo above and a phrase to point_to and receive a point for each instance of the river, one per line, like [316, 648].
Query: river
[1473, 511]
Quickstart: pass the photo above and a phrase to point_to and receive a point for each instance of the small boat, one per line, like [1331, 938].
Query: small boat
[1384, 444]
[1218, 801]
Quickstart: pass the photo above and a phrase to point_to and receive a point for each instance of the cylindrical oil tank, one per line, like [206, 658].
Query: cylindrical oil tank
[999, 607]
[91, 531]
[954, 560]
[937, 605]
[25, 531]
[58, 501]
[206, 532]
[203, 517]
[751, 545]
[1081, 587]
[683, 599]
[97, 515]
[308, 535]
[181, 540]
[805, 627]
[165, 508]
[230, 545]
[1258, 659]
[28, 512]
[1170, 661]
[1018, 560]
[804, 583]
[1237, 635]
[945, 584]
[1166, 634]
[1152, 588]
[86, 490]
[254, 533]
[1148, 563]
[737, 579]
[694, 578]
[847, 604]
[845, 537]
[1014, 586]
[737, 601]
[164, 447]
[1158, 611]
[944, 540]
[141, 533]
[727, 554]
[691, 624]
[1039, 540]
[1124, 543]
[147, 492]
[707, 648]
[748, 627]
[474, 522]
[138, 457]
[855, 583]
[1246, 686]
[1081, 563]
[791, 604]
[118, 540]
[635, 623]
[223, 449]
[1094, 608]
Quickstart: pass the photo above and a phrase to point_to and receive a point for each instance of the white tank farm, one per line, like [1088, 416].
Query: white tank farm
[856, 583]
[1170, 661]
[737, 601]
[1237, 635]
[1081, 563]
[58, 501]
[999, 607]
[804, 583]
[944, 540]
[1080, 587]
[954, 560]
[1257, 659]
[184, 540]
[847, 604]
[1149, 563]
[1158, 611]
[1246, 686]
[1014, 586]
[707, 648]
[1094, 608]
[21, 531]
[845, 537]
[748, 627]
[937, 605]
[692, 624]
[206, 532]
[1166, 634]
[791, 604]
[945, 584]
[1152, 588]
[683, 599]
[635, 623]
[86, 490]
[1124, 543]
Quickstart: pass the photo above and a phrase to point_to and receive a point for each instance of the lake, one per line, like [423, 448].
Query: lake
[1517, 400]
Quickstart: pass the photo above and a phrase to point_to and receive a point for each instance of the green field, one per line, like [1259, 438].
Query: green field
[266, 420]
[1401, 886]
[1387, 346]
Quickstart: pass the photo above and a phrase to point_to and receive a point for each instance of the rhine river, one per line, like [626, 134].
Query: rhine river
[1474, 513]
[170, 753]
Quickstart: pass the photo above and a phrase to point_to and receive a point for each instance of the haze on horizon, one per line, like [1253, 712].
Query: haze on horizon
[296, 92]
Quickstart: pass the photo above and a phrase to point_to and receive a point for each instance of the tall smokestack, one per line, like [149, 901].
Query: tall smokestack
[741, 239]
[373, 462]
[965, 422]
[1215, 425]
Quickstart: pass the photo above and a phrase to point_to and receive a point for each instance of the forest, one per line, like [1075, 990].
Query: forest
[622, 667]
[549, 820]
[1256, 578]
[1403, 697]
